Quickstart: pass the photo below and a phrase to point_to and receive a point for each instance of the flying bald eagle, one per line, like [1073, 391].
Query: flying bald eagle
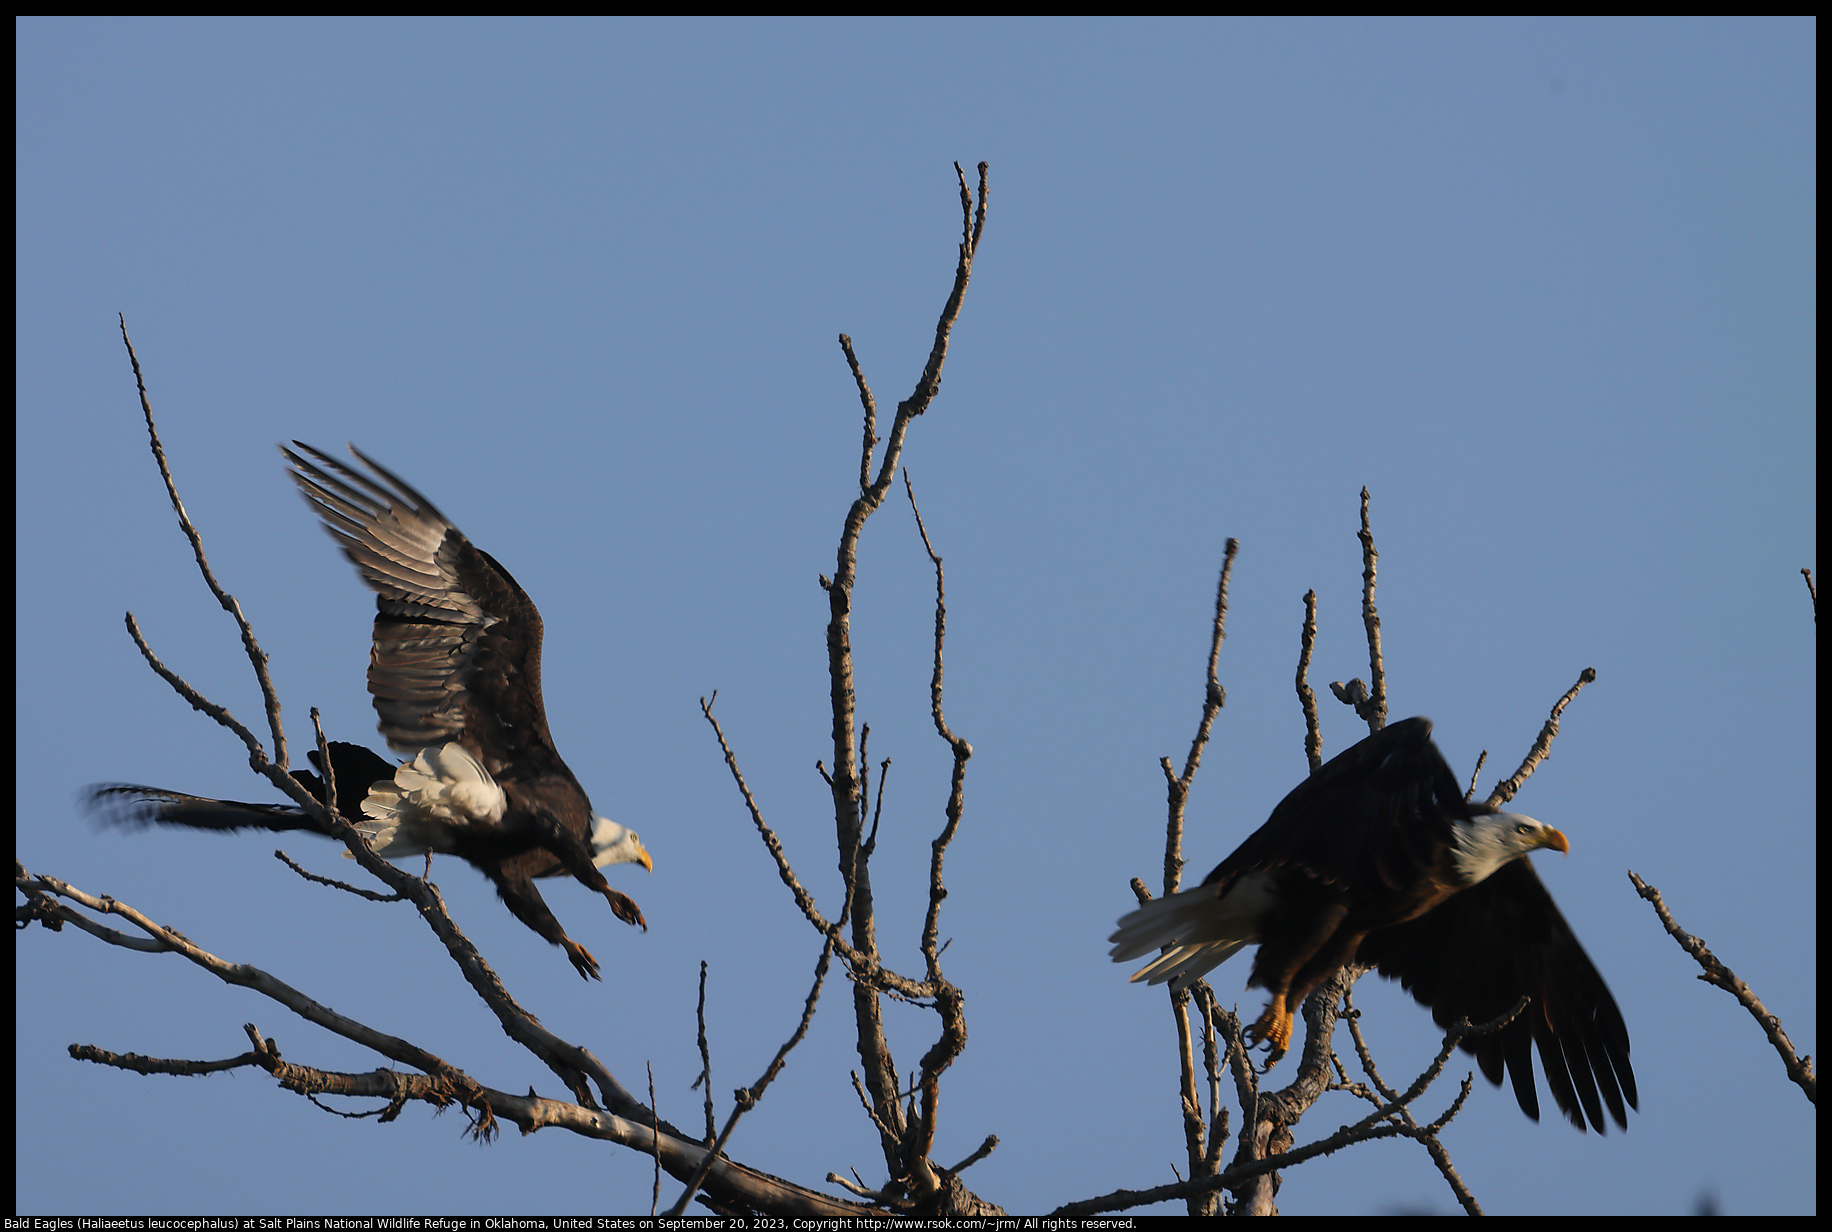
[455, 672]
[1377, 858]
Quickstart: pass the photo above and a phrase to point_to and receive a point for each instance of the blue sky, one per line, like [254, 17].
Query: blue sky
[1545, 288]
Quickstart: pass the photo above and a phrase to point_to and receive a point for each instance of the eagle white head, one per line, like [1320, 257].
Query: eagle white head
[1489, 840]
[615, 844]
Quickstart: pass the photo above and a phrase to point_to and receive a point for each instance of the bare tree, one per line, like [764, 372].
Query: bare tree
[1217, 1080]
[1267, 1141]
[601, 1105]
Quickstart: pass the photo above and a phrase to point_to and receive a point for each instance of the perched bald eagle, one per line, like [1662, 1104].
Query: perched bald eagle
[1377, 858]
[455, 673]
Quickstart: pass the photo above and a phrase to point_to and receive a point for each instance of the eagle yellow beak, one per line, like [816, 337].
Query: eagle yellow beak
[1553, 838]
[642, 853]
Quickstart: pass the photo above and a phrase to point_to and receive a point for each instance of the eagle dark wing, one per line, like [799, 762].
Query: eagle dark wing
[457, 651]
[1370, 821]
[1357, 845]
[356, 769]
[1477, 953]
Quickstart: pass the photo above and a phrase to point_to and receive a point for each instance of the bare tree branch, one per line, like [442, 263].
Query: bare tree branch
[949, 1003]
[772, 844]
[746, 1098]
[906, 1136]
[256, 656]
[1369, 701]
[730, 1185]
[1307, 697]
[1716, 973]
[1202, 1156]
[704, 1081]
[1389, 1119]
[1509, 787]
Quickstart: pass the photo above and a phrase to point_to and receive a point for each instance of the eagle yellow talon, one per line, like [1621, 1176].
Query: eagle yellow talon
[1273, 1028]
[582, 959]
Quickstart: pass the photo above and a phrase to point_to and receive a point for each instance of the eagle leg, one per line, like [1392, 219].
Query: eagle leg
[624, 908]
[524, 901]
[582, 959]
[1273, 1027]
[575, 857]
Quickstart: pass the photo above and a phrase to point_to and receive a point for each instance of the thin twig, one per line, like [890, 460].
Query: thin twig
[655, 1189]
[748, 1097]
[704, 1081]
[948, 1000]
[257, 657]
[1307, 697]
[1177, 789]
[1375, 711]
[871, 412]
[803, 899]
[1214, 697]
[1509, 787]
[961, 750]
[1481, 760]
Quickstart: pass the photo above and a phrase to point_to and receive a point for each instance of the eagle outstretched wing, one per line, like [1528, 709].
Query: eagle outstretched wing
[457, 646]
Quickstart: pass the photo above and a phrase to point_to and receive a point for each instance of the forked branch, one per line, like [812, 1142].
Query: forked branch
[906, 1131]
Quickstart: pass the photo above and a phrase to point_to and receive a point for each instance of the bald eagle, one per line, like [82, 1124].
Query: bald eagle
[1377, 858]
[455, 674]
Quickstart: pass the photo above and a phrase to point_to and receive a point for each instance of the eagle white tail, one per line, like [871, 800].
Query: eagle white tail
[442, 789]
[1196, 932]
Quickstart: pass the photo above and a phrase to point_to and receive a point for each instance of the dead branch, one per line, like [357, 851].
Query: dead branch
[1715, 972]
[1307, 697]
[906, 1134]
[256, 656]
[1542, 745]
[1203, 1158]
[729, 1184]
[1369, 701]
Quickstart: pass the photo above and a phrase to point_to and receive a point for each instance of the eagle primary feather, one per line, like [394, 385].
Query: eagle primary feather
[1378, 858]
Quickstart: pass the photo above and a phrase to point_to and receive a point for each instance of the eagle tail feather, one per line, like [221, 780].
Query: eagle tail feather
[134, 806]
[442, 788]
[1196, 931]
